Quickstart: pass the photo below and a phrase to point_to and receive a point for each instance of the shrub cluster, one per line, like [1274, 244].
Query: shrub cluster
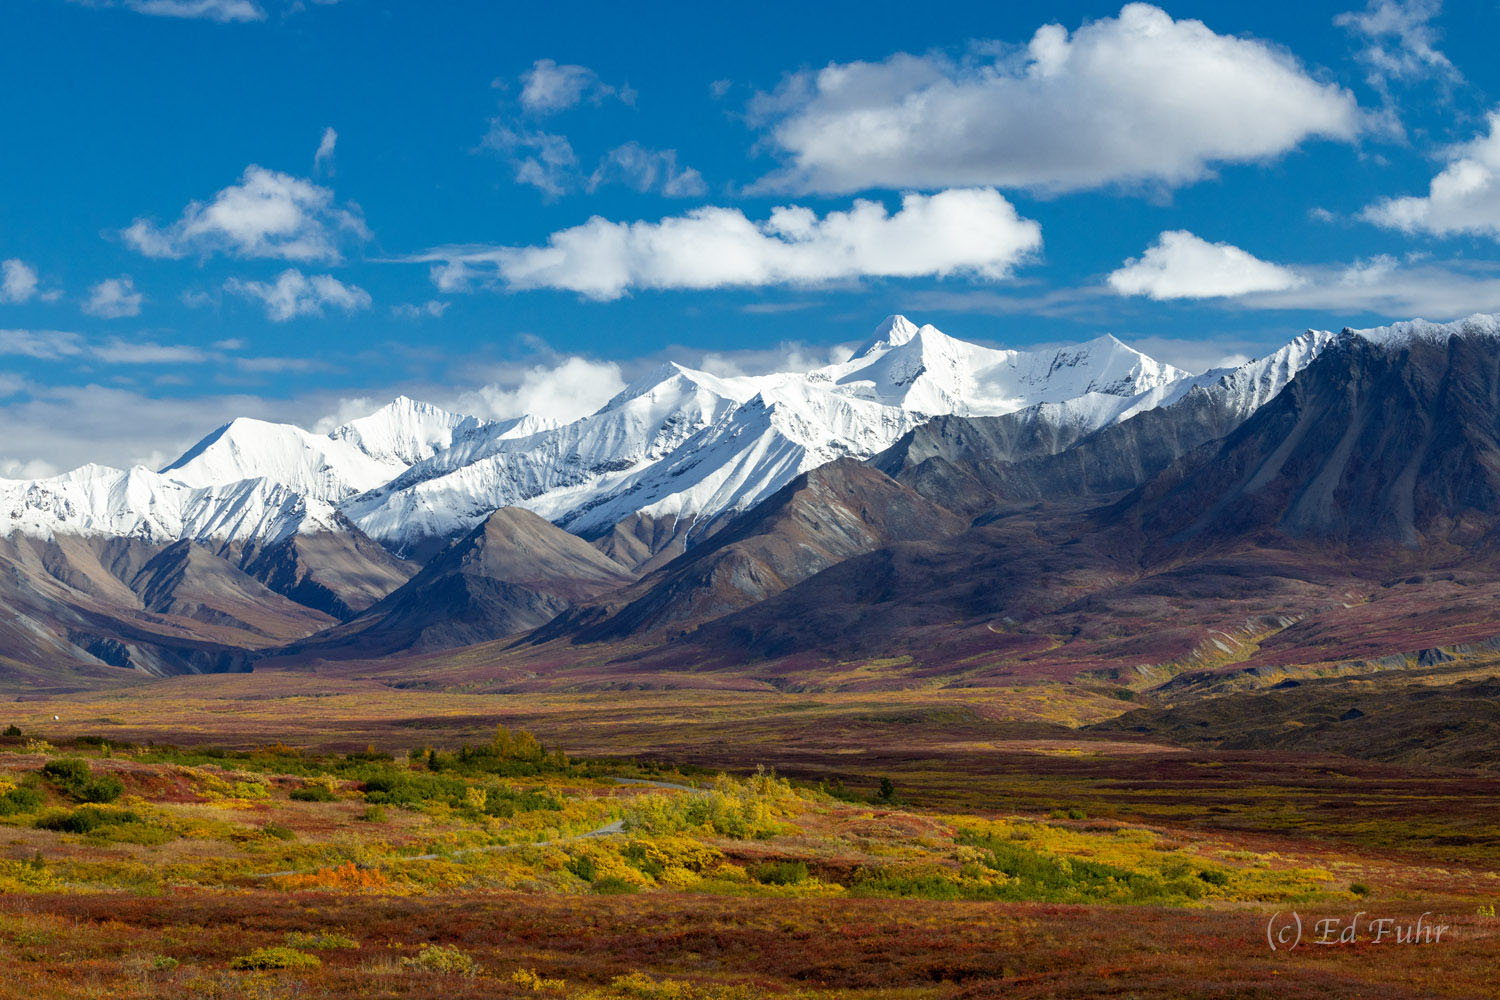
[72, 777]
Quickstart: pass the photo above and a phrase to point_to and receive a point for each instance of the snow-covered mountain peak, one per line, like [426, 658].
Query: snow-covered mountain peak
[893, 331]
[1477, 325]
[311, 464]
[677, 442]
[404, 431]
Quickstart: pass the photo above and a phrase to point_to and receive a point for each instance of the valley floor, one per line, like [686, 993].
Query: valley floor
[934, 843]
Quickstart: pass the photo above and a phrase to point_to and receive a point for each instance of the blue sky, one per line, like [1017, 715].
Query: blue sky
[297, 209]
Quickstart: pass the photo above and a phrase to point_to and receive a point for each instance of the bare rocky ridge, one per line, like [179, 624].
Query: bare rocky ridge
[513, 573]
[821, 518]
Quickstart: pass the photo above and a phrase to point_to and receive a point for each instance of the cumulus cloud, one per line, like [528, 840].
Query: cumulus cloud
[967, 232]
[1180, 265]
[295, 294]
[323, 158]
[114, 298]
[1135, 98]
[548, 87]
[1400, 41]
[18, 281]
[573, 388]
[1463, 198]
[648, 169]
[267, 214]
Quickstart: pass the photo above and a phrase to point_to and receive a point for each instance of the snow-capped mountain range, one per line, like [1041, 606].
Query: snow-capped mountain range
[677, 443]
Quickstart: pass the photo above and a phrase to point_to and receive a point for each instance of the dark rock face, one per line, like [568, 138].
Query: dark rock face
[337, 574]
[972, 464]
[513, 573]
[821, 518]
[1370, 445]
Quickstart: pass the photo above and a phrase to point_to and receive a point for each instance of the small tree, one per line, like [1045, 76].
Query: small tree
[887, 791]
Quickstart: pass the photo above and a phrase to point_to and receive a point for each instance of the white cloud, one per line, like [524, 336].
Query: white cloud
[44, 345]
[267, 214]
[566, 391]
[1137, 98]
[547, 87]
[542, 160]
[431, 309]
[18, 281]
[1463, 198]
[323, 158]
[222, 11]
[122, 352]
[1400, 41]
[968, 232]
[114, 298]
[1179, 265]
[784, 357]
[1392, 289]
[296, 294]
[648, 169]
[211, 10]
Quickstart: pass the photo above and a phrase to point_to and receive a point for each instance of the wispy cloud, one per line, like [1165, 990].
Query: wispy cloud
[323, 158]
[295, 294]
[1399, 41]
[549, 87]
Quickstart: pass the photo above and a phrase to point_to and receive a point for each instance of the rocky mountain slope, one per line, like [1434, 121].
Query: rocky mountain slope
[926, 497]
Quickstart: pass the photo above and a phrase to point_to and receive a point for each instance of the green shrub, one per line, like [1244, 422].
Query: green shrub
[278, 831]
[84, 819]
[275, 957]
[320, 942]
[13, 731]
[105, 789]
[67, 770]
[21, 799]
[444, 960]
[780, 873]
[73, 777]
[373, 814]
[612, 885]
[1360, 889]
[313, 793]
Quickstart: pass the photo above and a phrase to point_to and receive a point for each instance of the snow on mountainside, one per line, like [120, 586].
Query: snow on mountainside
[676, 443]
[319, 466]
[139, 503]
[692, 445]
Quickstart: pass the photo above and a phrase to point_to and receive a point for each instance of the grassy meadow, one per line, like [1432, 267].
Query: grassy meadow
[287, 836]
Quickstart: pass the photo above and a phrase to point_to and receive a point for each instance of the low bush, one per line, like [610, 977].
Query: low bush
[72, 777]
[443, 960]
[84, 819]
[320, 942]
[275, 957]
[313, 793]
[780, 873]
[23, 798]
